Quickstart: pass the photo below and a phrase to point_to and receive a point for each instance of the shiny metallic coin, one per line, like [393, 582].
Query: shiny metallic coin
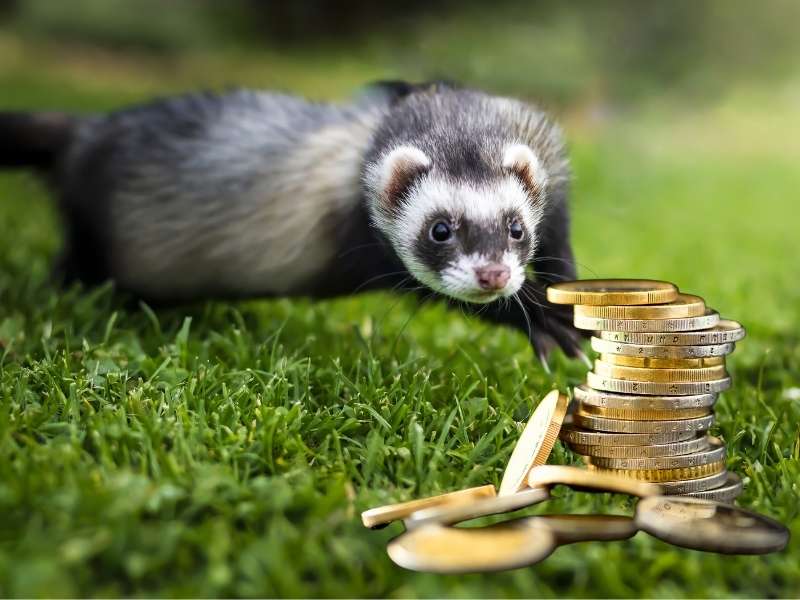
[582, 479]
[621, 426]
[724, 332]
[727, 492]
[715, 453]
[574, 435]
[456, 513]
[659, 475]
[603, 399]
[710, 319]
[685, 305]
[652, 451]
[661, 363]
[660, 375]
[655, 351]
[536, 442]
[644, 414]
[678, 488]
[383, 515]
[649, 388]
[438, 549]
[711, 526]
[569, 529]
[600, 292]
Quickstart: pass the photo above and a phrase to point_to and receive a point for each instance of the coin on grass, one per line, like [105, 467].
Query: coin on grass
[710, 319]
[536, 442]
[600, 292]
[383, 515]
[456, 513]
[644, 414]
[727, 492]
[574, 435]
[624, 386]
[569, 529]
[724, 332]
[439, 549]
[582, 479]
[660, 375]
[715, 453]
[653, 351]
[711, 526]
[659, 475]
[689, 486]
[651, 451]
[623, 426]
[685, 305]
[588, 396]
[644, 362]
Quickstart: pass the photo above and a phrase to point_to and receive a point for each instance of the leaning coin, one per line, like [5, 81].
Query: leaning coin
[449, 514]
[603, 399]
[685, 305]
[711, 526]
[654, 351]
[622, 426]
[643, 414]
[573, 435]
[599, 292]
[727, 492]
[724, 332]
[652, 451]
[536, 442]
[678, 488]
[714, 454]
[659, 475]
[383, 515]
[438, 549]
[611, 384]
[569, 529]
[710, 319]
[661, 363]
[551, 475]
[660, 375]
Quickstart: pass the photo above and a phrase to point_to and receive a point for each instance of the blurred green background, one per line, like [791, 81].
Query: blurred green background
[226, 449]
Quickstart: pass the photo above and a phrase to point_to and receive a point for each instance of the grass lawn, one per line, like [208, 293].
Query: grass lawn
[227, 449]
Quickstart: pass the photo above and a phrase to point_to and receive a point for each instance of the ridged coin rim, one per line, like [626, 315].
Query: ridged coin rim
[710, 319]
[685, 305]
[593, 292]
[660, 375]
[649, 388]
[594, 423]
[656, 351]
[601, 398]
[659, 475]
[651, 451]
[724, 332]
[713, 454]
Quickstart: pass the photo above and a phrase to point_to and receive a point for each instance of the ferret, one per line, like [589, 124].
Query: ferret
[428, 187]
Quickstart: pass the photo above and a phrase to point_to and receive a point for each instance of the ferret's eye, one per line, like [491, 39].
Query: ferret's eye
[441, 232]
[515, 230]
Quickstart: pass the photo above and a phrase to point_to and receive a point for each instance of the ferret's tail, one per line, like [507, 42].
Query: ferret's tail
[34, 140]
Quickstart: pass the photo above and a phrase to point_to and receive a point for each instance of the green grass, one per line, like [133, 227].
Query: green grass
[227, 449]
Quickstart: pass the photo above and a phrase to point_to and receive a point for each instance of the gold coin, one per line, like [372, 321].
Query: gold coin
[569, 529]
[685, 305]
[438, 549]
[383, 515]
[624, 426]
[715, 453]
[588, 396]
[536, 442]
[727, 492]
[644, 414]
[574, 435]
[599, 292]
[653, 351]
[449, 514]
[712, 526]
[611, 384]
[677, 488]
[710, 319]
[724, 332]
[574, 477]
[660, 375]
[659, 475]
[661, 363]
[652, 451]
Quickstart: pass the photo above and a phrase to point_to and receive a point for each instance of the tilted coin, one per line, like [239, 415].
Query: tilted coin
[685, 305]
[660, 375]
[710, 319]
[659, 475]
[715, 453]
[574, 435]
[644, 362]
[611, 384]
[688, 486]
[456, 513]
[600, 398]
[536, 442]
[711, 526]
[724, 332]
[651, 451]
[644, 414]
[622, 426]
[569, 529]
[727, 492]
[582, 479]
[438, 549]
[655, 351]
[383, 515]
[599, 292]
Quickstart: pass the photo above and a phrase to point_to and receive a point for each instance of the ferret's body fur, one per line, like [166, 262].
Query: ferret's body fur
[249, 194]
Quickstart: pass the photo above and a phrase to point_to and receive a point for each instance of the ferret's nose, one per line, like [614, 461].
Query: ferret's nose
[493, 277]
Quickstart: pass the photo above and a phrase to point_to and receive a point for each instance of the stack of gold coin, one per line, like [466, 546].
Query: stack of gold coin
[648, 402]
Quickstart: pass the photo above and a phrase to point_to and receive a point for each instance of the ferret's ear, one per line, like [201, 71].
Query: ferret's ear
[520, 161]
[398, 171]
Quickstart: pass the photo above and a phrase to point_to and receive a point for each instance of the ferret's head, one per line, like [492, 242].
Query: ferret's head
[467, 233]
